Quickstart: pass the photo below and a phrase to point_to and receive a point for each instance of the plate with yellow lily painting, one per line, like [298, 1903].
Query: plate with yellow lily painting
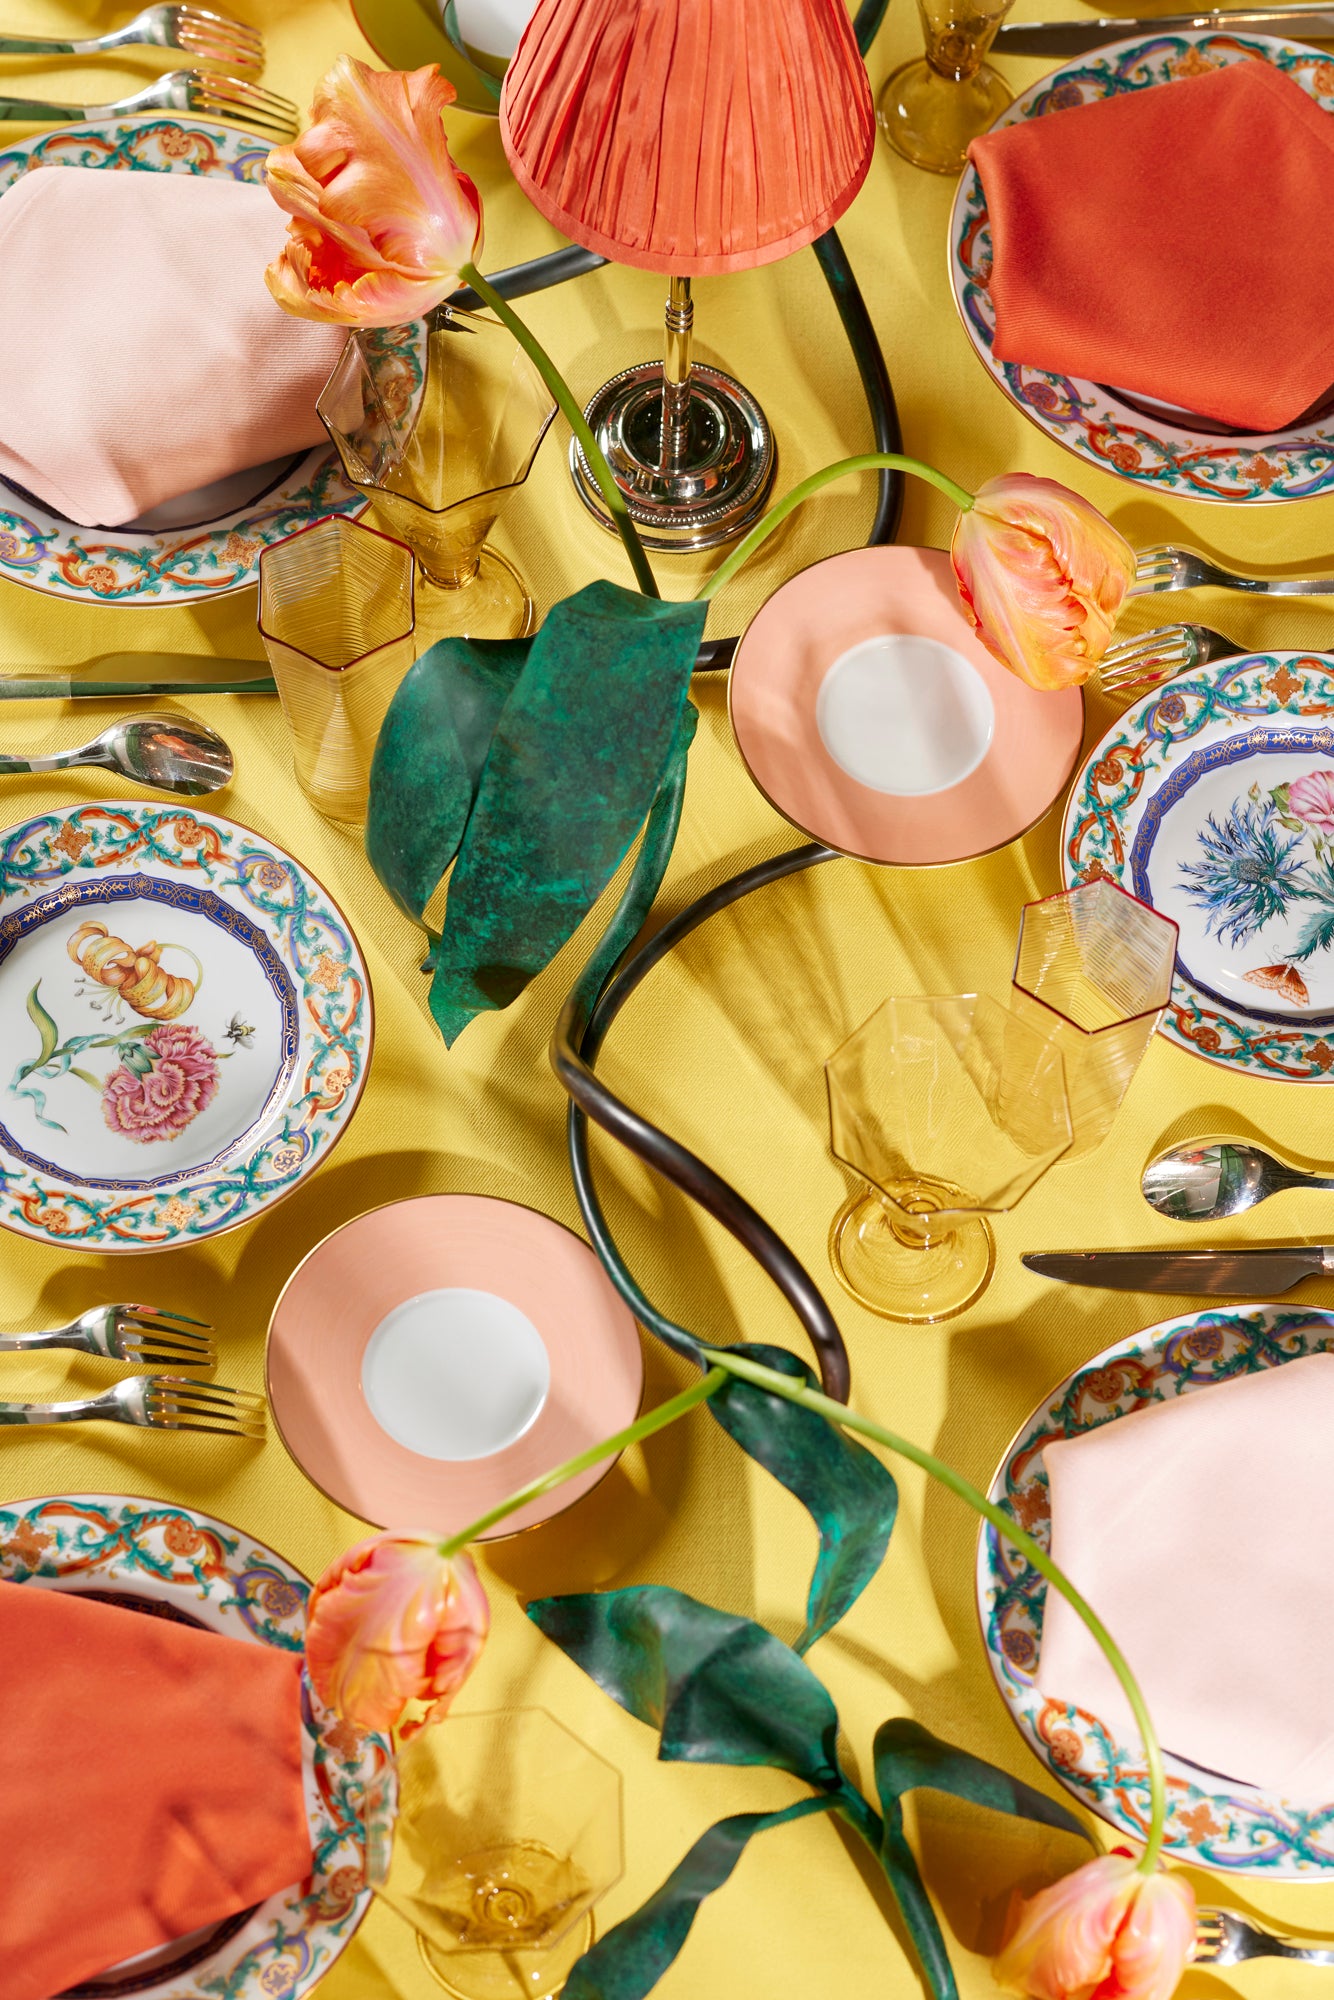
[185, 1020]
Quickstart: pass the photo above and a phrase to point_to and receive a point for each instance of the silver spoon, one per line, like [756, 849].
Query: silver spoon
[1217, 1178]
[168, 753]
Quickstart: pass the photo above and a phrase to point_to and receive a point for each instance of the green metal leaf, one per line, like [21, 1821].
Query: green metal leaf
[429, 760]
[719, 1689]
[849, 1494]
[45, 1027]
[630, 1960]
[909, 1757]
[534, 763]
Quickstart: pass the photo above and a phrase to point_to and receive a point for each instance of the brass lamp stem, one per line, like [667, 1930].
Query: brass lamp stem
[676, 375]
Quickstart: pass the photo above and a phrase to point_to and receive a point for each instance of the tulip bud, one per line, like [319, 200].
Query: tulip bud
[1106, 1929]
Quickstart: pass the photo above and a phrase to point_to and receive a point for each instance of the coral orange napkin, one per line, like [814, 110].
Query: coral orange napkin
[1200, 1531]
[143, 354]
[1162, 241]
[152, 1784]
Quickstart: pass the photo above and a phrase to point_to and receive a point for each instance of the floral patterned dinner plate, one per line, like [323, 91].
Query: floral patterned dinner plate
[185, 1019]
[171, 1562]
[1235, 1828]
[1213, 801]
[207, 544]
[1133, 437]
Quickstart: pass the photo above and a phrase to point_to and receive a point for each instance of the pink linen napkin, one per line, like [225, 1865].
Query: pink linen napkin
[1161, 241]
[1200, 1531]
[143, 354]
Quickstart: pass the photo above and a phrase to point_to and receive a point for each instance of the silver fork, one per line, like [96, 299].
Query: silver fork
[1224, 1938]
[228, 99]
[208, 37]
[144, 1334]
[1167, 568]
[1137, 666]
[155, 1403]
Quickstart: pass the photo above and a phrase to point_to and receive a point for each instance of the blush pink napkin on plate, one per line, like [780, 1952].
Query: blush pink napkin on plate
[143, 354]
[1165, 241]
[1200, 1531]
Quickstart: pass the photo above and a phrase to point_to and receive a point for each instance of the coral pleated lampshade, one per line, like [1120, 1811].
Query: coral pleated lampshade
[689, 136]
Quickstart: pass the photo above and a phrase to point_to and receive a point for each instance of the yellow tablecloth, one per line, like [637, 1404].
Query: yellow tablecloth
[724, 1046]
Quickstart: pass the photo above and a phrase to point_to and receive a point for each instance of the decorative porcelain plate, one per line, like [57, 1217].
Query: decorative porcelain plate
[1235, 1828]
[180, 1564]
[1213, 800]
[871, 718]
[1144, 442]
[206, 544]
[185, 1018]
[433, 1356]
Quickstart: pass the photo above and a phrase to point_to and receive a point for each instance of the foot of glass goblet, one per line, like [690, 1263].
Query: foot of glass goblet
[512, 1973]
[907, 1271]
[931, 119]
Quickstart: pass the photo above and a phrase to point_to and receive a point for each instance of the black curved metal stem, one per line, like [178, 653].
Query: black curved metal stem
[838, 275]
[580, 1033]
[537, 275]
[866, 25]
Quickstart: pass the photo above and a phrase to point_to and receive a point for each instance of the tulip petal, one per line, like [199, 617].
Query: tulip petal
[382, 221]
[1041, 575]
[1062, 1943]
[1156, 1941]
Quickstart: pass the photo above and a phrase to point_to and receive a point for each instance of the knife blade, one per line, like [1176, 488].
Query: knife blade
[1309, 22]
[217, 676]
[1212, 1273]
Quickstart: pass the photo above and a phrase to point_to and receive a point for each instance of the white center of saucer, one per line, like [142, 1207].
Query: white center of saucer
[455, 1373]
[904, 714]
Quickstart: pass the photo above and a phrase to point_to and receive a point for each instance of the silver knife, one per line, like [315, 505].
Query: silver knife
[1252, 1274]
[1076, 38]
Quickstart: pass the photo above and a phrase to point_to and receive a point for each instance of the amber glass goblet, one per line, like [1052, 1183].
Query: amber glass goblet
[438, 423]
[931, 108]
[1094, 972]
[949, 1108]
[508, 1831]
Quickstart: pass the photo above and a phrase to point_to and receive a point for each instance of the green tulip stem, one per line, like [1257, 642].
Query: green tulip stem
[796, 1391]
[643, 1427]
[574, 416]
[869, 461]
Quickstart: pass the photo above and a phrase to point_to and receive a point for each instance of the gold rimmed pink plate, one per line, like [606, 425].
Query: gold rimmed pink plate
[431, 1357]
[870, 716]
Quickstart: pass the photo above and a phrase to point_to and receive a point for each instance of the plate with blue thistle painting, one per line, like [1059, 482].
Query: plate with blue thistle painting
[1216, 1821]
[1213, 800]
[204, 544]
[169, 1561]
[185, 1017]
[1133, 438]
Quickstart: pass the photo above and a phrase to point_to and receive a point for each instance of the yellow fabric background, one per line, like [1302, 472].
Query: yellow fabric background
[724, 1046]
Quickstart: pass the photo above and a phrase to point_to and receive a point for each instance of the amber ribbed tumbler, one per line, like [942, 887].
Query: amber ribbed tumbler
[1094, 973]
[336, 618]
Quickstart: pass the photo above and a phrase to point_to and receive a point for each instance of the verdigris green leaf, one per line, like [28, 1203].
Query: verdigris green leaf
[630, 1960]
[429, 760]
[908, 1757]
[718, 1688]
[573, 767]
[849, 1494]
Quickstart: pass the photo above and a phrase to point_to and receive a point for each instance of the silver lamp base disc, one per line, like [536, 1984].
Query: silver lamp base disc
[730, 460]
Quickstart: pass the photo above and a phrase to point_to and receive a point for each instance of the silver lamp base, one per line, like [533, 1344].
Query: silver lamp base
[727, 467]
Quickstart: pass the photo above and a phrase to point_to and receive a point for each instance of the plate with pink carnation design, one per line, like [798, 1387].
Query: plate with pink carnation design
[186, 1021]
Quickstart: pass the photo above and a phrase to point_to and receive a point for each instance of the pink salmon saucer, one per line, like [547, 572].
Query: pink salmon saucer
[431, 1357]
[870, 716]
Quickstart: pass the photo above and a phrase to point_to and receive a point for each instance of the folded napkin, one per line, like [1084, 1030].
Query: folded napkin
[143, 354]
[1200, 1531]
[1167, 241]
[152, 1784]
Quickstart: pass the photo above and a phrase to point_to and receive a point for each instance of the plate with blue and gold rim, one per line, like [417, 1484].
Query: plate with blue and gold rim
[1219, 1822]
[206, 544]
[1146, 443]
[1212, 800]
[170, 1561]
[186, 1020]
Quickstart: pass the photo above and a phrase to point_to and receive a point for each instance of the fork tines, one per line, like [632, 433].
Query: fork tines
[174, 1403]
[233, 101]
[154, 1345]
[1156, 568]
[216, 38]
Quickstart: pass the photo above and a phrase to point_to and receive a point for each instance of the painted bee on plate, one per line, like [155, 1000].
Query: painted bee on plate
[239, 1033]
